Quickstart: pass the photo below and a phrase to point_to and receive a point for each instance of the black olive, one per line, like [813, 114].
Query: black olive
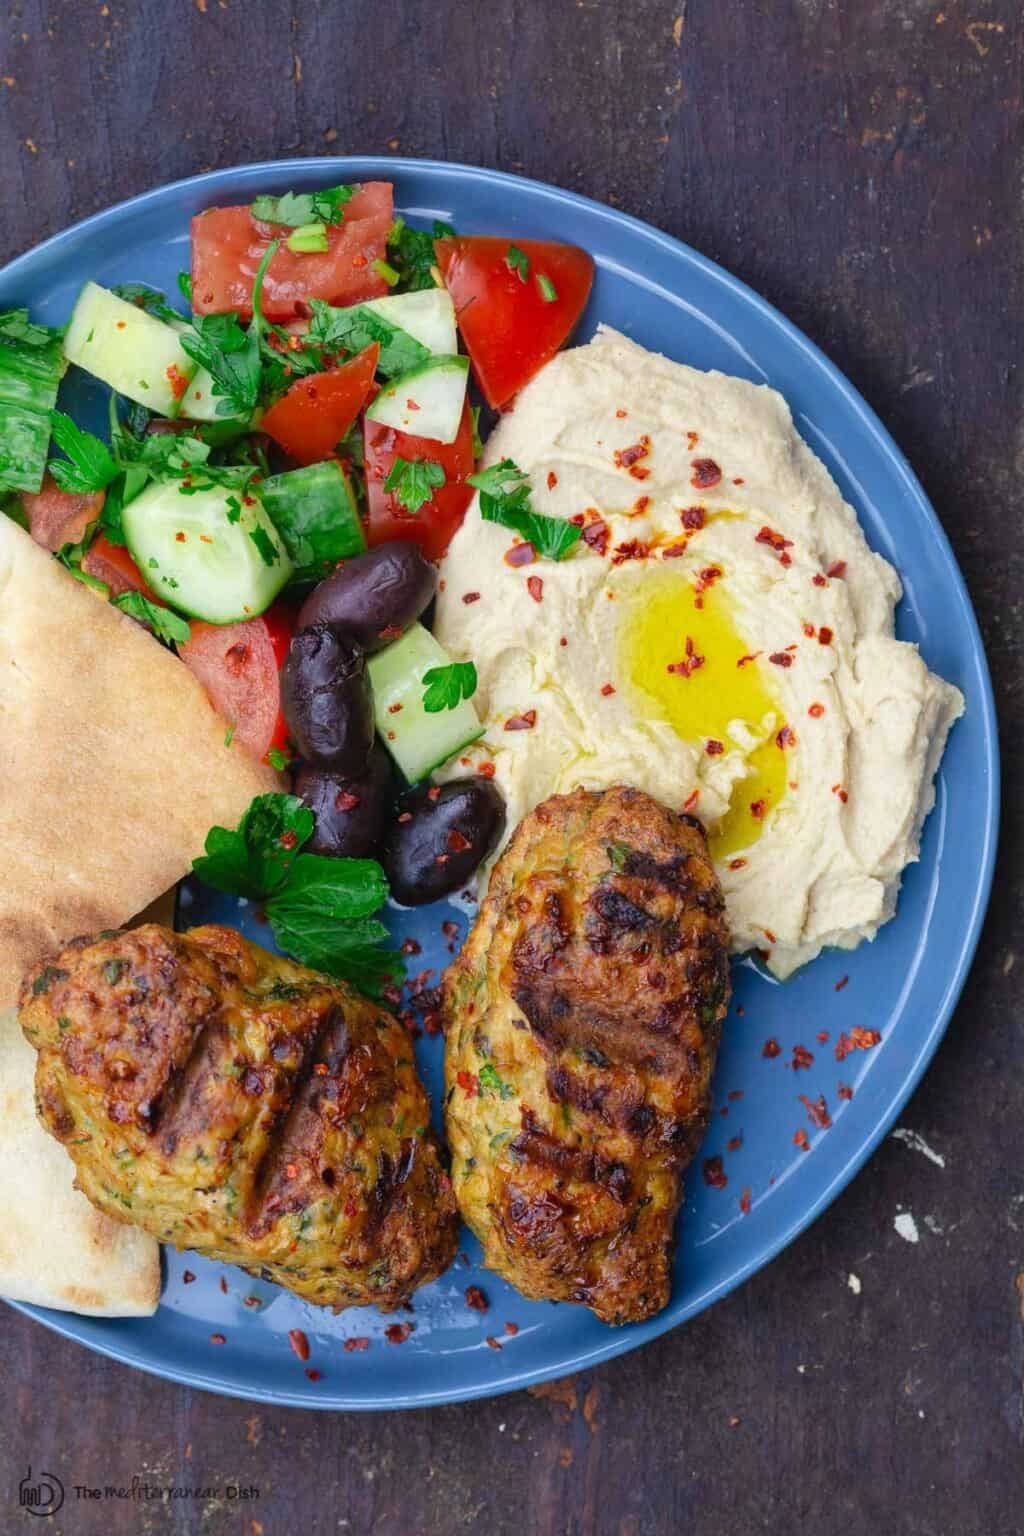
[439, 836]
[326, 699]
[374, 597]
[351, 814]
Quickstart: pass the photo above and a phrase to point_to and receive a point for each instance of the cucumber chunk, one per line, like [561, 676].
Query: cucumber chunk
[418, 741]
[214, 554]
[138, 356]
[428, 316]
[315, 511]
[428, 401]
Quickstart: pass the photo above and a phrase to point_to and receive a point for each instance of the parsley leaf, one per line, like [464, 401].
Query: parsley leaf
[505, 499]
[233, 357]
[490, 1082]
[298, 208]
[414, 481]
[89, 466]
[518, 261]
[166, 626]
[185, 287]
[411, 253]
[256, 858]
[448, 686]
[355, 328]
[264, 545]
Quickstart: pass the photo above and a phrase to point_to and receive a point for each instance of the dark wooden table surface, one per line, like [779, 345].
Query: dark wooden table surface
[860, 163]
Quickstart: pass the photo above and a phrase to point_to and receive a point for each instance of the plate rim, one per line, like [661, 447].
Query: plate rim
[72, 1325]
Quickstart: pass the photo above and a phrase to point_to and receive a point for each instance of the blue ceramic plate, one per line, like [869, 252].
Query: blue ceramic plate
[904, 985]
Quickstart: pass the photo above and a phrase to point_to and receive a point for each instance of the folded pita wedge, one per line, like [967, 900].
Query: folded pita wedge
[113, 765]
[56, 1249]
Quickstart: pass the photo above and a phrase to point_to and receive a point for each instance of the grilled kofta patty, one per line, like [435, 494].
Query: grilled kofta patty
[230, 1101]
[583, 1018]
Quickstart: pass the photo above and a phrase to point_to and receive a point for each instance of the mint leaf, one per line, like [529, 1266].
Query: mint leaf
[448, 686]
[256, 858]
[505, 499]
[166, 626]
[323, 918]
[414, 481]
[89, 466]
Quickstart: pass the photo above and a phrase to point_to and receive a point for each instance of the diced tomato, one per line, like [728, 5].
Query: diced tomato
[239, 665]
[436, 522]
[513, 316]
[313, 416]
[114, 565]
[57, 517]
[228, 244]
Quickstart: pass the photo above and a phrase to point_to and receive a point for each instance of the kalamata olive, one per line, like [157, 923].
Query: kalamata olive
[326, 699]
[351, 814]
[440, 834]
[374, 597]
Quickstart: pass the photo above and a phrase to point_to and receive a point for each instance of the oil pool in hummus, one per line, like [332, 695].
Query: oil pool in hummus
[721, 637]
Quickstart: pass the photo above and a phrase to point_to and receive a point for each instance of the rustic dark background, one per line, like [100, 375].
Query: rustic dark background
[860, 163]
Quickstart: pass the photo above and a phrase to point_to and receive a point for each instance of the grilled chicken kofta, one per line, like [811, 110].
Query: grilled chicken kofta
[232, 1102]
[583, 1017]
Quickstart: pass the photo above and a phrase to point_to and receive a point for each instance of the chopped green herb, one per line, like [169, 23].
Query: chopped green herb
[414, 481]
[412, 256]
[505, 499]
[618, 853]
[229, 734]
[518, 261]
[46, 978]
[491, 1082]
[264, 544]
[385, 270]
[548, 291]
[299, 208]
[448, 686]
[277, 759]
[474, 418]
[166, 626]
[308, 239]
[112, 971]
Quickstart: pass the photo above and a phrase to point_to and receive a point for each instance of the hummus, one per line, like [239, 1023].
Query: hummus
[721, 637]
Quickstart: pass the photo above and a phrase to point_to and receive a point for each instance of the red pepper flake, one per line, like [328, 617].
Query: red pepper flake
[802, 1057]
[595, 536]
[739, 480]
[291, 1171]
[441, 858]
[217, 1338]
[346, 800]
[313, 1373]
[824, 635]
[693, 518]
[816, 711]
[469, 1083]
[714, 1174]
[758, 809]
[524, 722]
[714, 748]
[737, 863]
[253, 1301]
[359, 260]
[299, 1342]
[607, 690]
[457, 842]
[486, 770]
[707, 578]
[734, 1095]
[492, 1342]
[397, 1333]
[520, 554]
[691, 662]
[844, 1091]
[627, 458]
[706, 473]
[391, 631]
[692, 439]
[471, 597]
[822, 1037]
[511, 1329]
[752, 656]
[745, 1201]
[632, 549]
[837, 789]
[535, 587]
[321, 1069]
[691, 800]
[785, 738]
[552, 479]
[355, 1345]
[860, 1039]
[781, 659]
[405, 816]
[771, 1049]
[621, 414]
[476, 1299]
[817, 1111]
[639, 506]
[769, 936]
[809, 631]
[785, 558]
[819, 580]
[180, 537]
[287, 839]
[395, 709]
[248, 501]
[776, 540]
[734, 1143]
[187, 1277]
[434, 792]
[843, 981]
[801, 1140]
[177, 381]
[837, 569]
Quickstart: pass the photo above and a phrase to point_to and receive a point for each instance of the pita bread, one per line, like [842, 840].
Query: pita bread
[57, 1250]
[113, 763]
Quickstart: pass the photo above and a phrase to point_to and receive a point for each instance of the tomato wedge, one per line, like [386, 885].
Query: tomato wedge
[516, 304]
[57, 517]
[239, 665]
[436, 522]
[113, 564]
[313, 416]
[228, 244]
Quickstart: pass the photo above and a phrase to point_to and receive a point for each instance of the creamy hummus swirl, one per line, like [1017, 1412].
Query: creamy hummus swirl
[721, 637]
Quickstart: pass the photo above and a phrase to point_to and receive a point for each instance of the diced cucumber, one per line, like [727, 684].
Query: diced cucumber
[427, 315]
[418, 741]
[138, 356]
[428, 401]
[215, 554]
[315, 511]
